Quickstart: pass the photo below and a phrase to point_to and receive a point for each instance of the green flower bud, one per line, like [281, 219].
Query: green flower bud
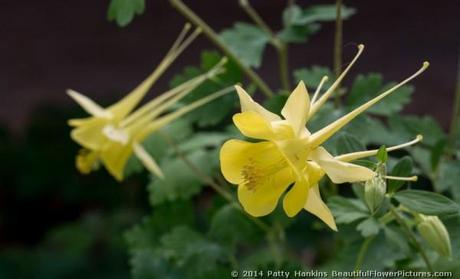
[374, 192]
[435, 233]
[375, 189]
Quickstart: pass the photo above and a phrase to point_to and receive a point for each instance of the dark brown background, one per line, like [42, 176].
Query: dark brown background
[48, 46]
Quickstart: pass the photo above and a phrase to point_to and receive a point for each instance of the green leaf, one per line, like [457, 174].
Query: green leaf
[347, 210]
[298, 34]
[181, 183]
[382, 154]
[322, 13]
[247, 41]
[428, 203]
[408, 126]
[397, 238]
[368, 227]
[313, 75]
[190, 251]
[402, 168]
[347, 143]
[366, 87]
[230, 226]
[448, 178]
[276, 103]
[123, 11]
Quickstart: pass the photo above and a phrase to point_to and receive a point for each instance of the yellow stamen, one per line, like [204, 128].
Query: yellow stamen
[334, 86]
[400, 178]
[363, 154]
[318, 89]
[325, 133]
[255, 175]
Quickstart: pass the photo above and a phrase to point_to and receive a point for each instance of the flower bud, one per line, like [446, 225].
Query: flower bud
[435, 233]
[375, 189]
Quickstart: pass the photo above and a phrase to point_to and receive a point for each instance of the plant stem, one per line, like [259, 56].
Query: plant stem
[212, 35]
[280, 46]
[209, 181]
[410, 234]
[454, 125]
[363, 251]
[338, 47]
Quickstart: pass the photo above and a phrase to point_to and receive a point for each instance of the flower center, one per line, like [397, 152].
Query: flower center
[117, 135]
[259, 172]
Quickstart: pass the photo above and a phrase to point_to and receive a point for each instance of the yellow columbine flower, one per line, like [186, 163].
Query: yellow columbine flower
[290, 154]
[112, 134]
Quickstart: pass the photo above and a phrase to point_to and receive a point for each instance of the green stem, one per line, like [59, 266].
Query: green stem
[280, 46]
[338, 47]
[212, 35]
[410, 234]
[363, 251]
[454, 125]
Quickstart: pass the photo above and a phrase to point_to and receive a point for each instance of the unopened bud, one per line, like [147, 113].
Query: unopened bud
[435, 233]
[374, 192]
[375, 189]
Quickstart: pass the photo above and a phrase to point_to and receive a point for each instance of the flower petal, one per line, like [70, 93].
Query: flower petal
[147, 160]
[338, 171]
[88, 105]
[295, 111]
[114, 157]
[263, 199]
[248, 104]
[90, 134]
[236, 154]
[295, 198]
[317, 207]
[253, 125]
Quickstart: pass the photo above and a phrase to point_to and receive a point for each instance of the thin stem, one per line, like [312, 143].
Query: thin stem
[363, 251]
[454, 125]
[410, 234]
[338, 47]
[280, 46]
[209, 181]
[214, 37]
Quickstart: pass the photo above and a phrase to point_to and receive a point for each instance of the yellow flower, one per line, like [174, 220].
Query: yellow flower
[290, 154]
[111, 135]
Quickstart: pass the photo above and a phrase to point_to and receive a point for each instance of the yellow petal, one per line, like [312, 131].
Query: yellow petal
[295, 111]
[88, 105]
[295, 152]
[317, 207]
[295, 198]
[90, 134]
[114, 157]
[147, 160]
[325, 133]
[263, 199]
[248, 104]
[236, 154]
[253, 125]
[338, 171]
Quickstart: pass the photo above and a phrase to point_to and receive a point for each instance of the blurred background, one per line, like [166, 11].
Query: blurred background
[54, 220]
